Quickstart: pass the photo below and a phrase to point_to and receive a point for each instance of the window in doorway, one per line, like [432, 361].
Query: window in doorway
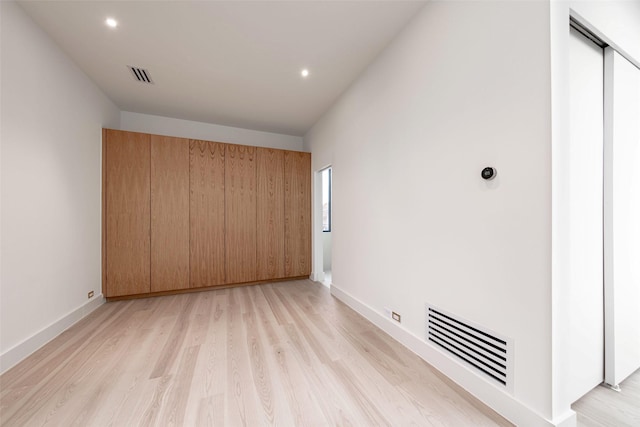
[326, 199]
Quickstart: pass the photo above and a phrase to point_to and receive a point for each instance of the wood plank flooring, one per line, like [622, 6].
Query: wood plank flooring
[285, 354]
[603, 407]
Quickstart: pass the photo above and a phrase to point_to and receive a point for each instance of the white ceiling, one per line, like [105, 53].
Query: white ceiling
[234, 63]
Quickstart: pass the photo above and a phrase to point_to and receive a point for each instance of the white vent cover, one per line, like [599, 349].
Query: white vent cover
[484, 351]
[140, 74]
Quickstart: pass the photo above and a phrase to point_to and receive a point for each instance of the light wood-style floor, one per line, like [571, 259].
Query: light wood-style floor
[277, 354]
[603, 407]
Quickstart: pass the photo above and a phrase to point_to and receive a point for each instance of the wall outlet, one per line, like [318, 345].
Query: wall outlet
[90, 295]
[395, 316]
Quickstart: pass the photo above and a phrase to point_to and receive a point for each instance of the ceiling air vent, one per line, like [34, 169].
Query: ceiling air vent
[482, 350]
[140, 74]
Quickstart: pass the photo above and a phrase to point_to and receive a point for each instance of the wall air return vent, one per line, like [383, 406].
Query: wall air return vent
[483, 351]
[140, 74]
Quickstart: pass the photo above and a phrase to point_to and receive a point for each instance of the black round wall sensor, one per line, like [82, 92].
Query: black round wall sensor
[488, 173]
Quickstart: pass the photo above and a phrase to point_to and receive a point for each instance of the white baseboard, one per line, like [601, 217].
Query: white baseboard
[19, 352]
[497, 399]
[568, 419]
[317, 276]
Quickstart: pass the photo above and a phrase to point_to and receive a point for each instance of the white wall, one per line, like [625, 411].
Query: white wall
[138, 122]
[616, 23]
[51, 120]
[464, 86]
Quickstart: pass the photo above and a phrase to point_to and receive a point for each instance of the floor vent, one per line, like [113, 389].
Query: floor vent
[483, 350]
[140, 74]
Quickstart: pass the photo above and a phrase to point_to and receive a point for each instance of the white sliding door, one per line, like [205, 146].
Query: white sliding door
[585, 173]
[622, 218]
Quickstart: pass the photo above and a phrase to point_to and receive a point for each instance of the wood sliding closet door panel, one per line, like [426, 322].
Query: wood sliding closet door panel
[297, 211]
[169, 213]
[207, 213]
[270, 209]
[240, 213]
[127, 213]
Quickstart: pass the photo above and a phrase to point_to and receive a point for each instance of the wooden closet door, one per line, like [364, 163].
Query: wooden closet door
[169, 213]
[207, 213]
[297, 211]
[270, 211]
[127, 213]
[240, 213]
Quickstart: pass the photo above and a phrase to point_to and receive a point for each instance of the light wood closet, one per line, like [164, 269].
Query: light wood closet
[240, 213]
[270, 205]
[206, 213]
[297, 213]
[169, 213]
[180, 214]
[127, 195]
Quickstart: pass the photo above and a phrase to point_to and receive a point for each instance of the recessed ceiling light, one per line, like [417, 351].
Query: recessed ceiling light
[304, 73]
[111, 22]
